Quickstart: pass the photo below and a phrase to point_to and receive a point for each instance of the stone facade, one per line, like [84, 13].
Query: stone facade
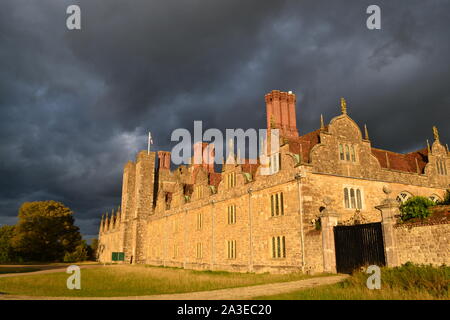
[182, 217]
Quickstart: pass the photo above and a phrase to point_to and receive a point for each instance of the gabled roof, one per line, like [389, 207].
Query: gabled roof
[250, 167]
[304, 144]
[402, 162]
[215, 178]
[397, 161]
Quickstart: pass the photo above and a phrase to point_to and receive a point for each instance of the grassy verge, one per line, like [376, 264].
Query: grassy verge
[408, 282]
[116, 281]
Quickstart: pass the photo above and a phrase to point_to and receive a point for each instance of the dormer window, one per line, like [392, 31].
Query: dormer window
[441, 167]
[230, 180]
[353, 155]
[347, 152]
[199, 192]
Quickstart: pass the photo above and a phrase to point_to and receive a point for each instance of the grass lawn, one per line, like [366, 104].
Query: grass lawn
[408, 282]
[116, 281]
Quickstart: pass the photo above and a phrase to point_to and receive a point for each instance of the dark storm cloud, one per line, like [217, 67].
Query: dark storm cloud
[76, 105]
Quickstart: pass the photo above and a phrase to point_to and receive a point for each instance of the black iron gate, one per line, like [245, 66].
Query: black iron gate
[358, 245]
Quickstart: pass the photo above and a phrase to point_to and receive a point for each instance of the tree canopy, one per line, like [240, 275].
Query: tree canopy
[415, 207]
[45, 231]
[7, 253]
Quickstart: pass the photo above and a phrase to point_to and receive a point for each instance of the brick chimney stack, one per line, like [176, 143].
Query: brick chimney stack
[280, 111]
[204, 154]
[164, 159]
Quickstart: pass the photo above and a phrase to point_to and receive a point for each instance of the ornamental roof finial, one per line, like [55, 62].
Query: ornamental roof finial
[343, 106]
[322, 125]
[366, 132]
[435, 133]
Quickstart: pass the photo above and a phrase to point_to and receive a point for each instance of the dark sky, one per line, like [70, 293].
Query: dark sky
[76, 105]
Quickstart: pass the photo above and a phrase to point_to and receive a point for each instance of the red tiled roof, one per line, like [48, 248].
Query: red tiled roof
[304, 144]
[397, 161]
[215, 178]
[188, 189]
[250, 167]
[402, 162]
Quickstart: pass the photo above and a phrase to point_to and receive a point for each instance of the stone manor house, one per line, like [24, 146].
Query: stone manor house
[240, 220]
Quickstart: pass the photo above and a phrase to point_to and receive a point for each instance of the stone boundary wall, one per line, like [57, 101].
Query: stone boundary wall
[423, 244]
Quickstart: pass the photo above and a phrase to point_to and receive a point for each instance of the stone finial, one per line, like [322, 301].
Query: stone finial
[366, 132]
[231, 157]
[417, 166]
[435, 133]
[322, 125]
[428, 146]
[231, 145]
[387, 160]
[343, 106]
[446, 145]
[107, 222]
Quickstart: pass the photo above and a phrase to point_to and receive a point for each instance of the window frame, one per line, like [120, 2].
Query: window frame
[199, 250]
[347, 152]
[278, 247]
[277, 204]
[231, 214]
[341, 152]
[352, 202]
[199, 221]
[231, 249]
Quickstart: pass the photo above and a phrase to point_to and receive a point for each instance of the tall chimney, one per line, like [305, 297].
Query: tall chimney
[280, 112]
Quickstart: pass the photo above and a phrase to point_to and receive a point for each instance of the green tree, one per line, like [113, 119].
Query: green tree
[45, 231]
[93, 249]
[7, 252]
[415, 207]
[79, 254]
